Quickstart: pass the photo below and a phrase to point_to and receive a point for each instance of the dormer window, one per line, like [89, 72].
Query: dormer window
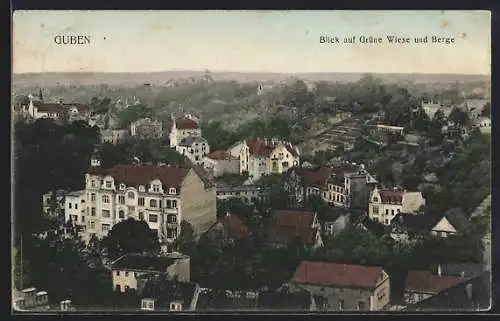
[172, 191]
[375, 199]
[131, 195]
[122, 187]
[156, 188]
[92, 183]
[107, 184]
[141, 188]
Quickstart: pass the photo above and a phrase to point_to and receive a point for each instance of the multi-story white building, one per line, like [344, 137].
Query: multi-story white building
[183, 127]
[113, 136]
[74, 207]
[385, 204]
[267, 156]
[162, 196]
[193, 147]
[53, 203]
[146, 129]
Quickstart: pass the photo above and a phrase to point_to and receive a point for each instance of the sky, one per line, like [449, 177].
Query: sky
[252, 41]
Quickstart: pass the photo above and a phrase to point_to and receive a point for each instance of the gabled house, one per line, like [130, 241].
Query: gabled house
[385, 204]
[228, 228]
[409, 227]
[421, 285]
[183, 127]
[343, 286]
[287, 225]
[131, 271]
[221, 162]
[451, 223]
[162, 294]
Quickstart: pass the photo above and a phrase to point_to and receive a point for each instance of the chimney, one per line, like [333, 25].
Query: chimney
[228, 214]
[439, 272]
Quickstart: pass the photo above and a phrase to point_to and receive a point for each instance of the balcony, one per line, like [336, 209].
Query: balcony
[172, 225]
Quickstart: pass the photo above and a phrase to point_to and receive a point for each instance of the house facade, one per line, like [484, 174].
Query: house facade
[183, 127]
[75, 207]
[220, 162]
[128, 270]
[265, 156]
[162, 196]
[385, 204]
[53, 203]
[146, 129]
[246, 193]
[344, 287]
[195, 148]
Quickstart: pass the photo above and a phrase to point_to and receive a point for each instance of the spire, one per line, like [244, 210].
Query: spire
[40, 95]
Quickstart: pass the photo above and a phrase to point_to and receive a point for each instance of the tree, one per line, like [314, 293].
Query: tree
[459, 117]
[130, 236]
[186, 240]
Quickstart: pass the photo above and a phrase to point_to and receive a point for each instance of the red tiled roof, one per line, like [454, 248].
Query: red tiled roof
[315, 177]
[259, 148]
[219, 155]
[391, 196]
[337, 275]
[427, 282]
[288, 224]
[234, 225]
[185, 123]
[134, 175]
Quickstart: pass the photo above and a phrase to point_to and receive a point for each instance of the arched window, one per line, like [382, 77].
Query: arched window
[121, 214]
[131, 195]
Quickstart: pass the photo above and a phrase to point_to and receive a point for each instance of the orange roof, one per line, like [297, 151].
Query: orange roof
[185, 123]
[391, 196]
[315, 177]
[337, 275]
[259, 147]
[219, 155]
[234, 225]
[288, 224]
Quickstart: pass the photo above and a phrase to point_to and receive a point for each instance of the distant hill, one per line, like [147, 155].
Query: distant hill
[160, 78]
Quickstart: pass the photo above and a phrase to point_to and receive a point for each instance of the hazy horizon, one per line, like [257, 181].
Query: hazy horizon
[286, 42]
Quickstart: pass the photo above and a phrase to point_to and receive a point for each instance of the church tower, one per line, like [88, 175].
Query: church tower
[173, 132]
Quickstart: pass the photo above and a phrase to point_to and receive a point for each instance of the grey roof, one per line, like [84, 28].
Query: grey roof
[457, 218]
[143, 262]
[414, 222]
[467, 269]
[333, 213]
[165, 291]
[76, 193]
[190, 140]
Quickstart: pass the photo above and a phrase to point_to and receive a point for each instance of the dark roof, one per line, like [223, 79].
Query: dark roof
[333, 213]
[284, 300]
[317, 176]
[143, 262]
[457, 218]
[50, 108]
[337, 275]
[164, 291]
[134, 175]
[414, 222]
[190, 140]
[287, 224]
[469, 295]
[234, 225]
[428, 282]
[390, 196]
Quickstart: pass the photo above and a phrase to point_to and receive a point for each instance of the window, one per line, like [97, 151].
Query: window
[153, 218]
[107, 184]
[140, 201]
[92, 211]
[341, 305]
[92, 183]
[105, 228]
[69, 205]
[92, 224]
[126, 273]
[171, 218]
[156, 188]
[122, 186]
[152, 203]
[121, 199]
[375, 199]
[141, 216]
[399, 210]
[150, 305]
[121, 214]
[106, 213]
[131, 195]
[105, 199]
[360, 306]
[392, 212]
[76, 206]
[386, 212]
[92, 197]
[171, 233]
[174, 204]
[144, 304]
[172, 190]
[83, 219]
